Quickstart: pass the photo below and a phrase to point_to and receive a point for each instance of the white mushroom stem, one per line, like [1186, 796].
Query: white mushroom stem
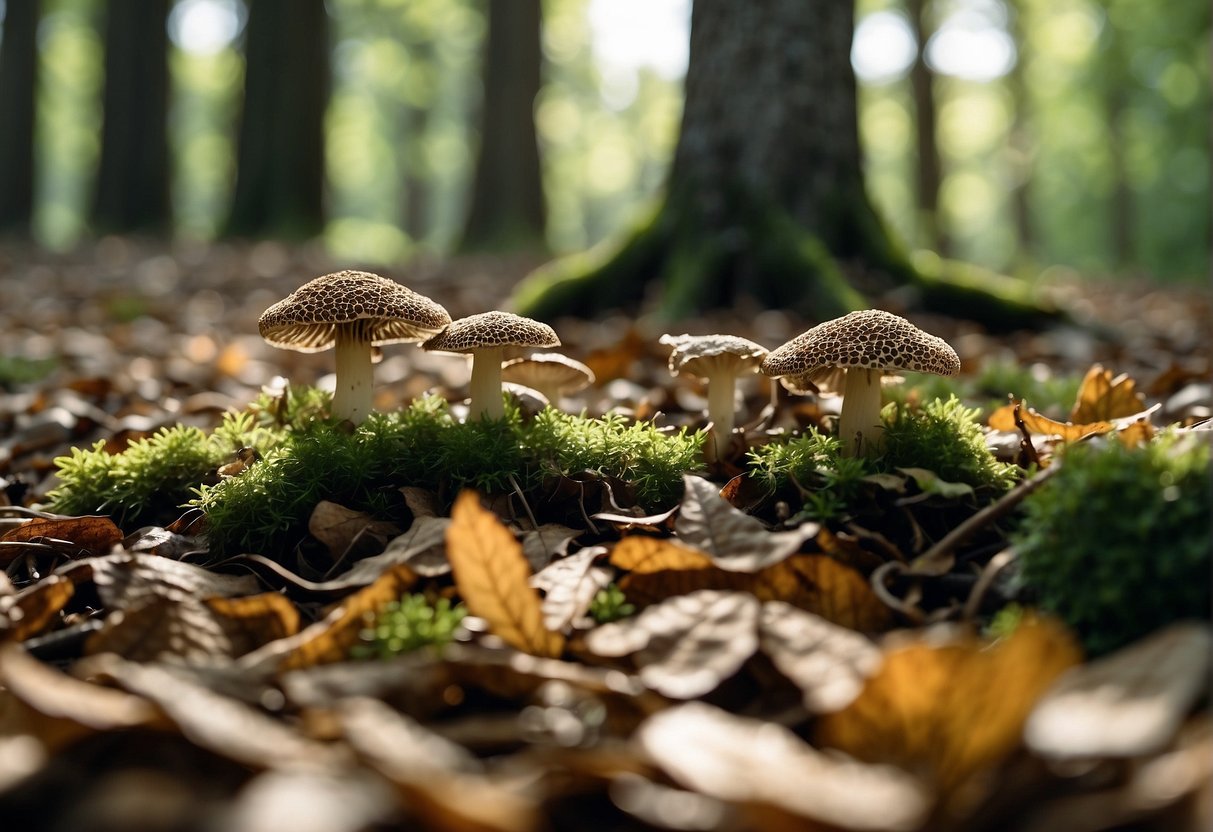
[859, 423]
[485, 388]
[721, 412]
[353, 398]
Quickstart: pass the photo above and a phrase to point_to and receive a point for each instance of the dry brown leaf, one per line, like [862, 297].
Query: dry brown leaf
[78, 536]
[950, 709]
[823, 586]
[26, 613]
[1004, 419]
[827, 662]
[733, 540]
[549, 541]
[194, 630]
[1128, 704]
[420, 501]
[644, 589]
[1102, 398]
[569, 586]
[642, 555]
[340, 528]
[686, 646]
[126, 581]
[493, 578]
[764, 768]
[330, 638]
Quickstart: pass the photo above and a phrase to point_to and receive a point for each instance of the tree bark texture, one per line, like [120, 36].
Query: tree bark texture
[507, 210]
[930, 164]
[132, 188]
[18, 85]
[280, 167]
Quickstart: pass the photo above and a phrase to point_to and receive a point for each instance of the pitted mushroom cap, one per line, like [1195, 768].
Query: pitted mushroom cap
[871, 340]
[386, 312]
[703, 355]
[492, 329]
[548, 369]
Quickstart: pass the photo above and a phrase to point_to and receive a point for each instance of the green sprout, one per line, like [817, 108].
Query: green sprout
[610, 604]
[406, 625]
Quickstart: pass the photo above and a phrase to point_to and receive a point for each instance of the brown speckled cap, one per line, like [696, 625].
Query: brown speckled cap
[385, 312]
[703, 355]
[492, 329]
[548, 370]
[870, 340]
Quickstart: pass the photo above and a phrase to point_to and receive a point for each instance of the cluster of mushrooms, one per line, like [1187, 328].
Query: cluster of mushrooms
[355, 312]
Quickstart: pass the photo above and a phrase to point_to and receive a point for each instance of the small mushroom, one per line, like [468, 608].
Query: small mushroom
[552, 374]
[864, 345]
[354, 312]
[486, 337]
[718, 359]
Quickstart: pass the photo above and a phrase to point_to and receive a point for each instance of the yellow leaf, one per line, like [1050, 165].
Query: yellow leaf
[825, 587]
[951, 711]
[493, 577]
[642, 555]
[26, 613]
[1102, 398]
[1004, 419]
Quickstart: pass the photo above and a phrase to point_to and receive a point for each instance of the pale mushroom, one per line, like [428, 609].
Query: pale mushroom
[719, 360]
[486, 337]
[552, 374]
[864, 345]
[354, 312]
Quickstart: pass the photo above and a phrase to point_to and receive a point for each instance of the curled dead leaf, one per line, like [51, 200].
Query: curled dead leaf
[340, 529]
[76, 536]
[569, 586]
[493, 578]
[29, 611]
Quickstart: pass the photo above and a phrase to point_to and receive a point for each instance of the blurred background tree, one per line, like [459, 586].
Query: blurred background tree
[1070, 133]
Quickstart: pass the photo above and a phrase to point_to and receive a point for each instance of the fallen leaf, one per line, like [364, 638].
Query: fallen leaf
[551, 540]
[823, 586]
[493, 578]
[950, 709]
[1128, 704]
[762, 766]
[330, 638]
[420, 501]
[827, 662]
[733, 540]
[126, 581]
[641, 555]
[29, 611]
[1104, 398]
[155, 540]
[930, 483]
[686, 646]
[340, 528]
[77, 536]
[569, 586]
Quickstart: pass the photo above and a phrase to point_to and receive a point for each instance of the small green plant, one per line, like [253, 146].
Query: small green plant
[610, 604]
[944, 437]
[406, 625]
[16, 370]
[1118, 543]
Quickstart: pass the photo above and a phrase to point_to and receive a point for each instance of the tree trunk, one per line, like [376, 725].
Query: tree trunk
[507, 205]
[280, 154]
[930, 165]
[1021, 143]
[132, 189]
[18, 83]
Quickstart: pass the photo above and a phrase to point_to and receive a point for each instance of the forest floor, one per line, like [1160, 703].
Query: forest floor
[147, 686]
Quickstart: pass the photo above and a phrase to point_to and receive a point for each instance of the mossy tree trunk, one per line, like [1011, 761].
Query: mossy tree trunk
[765, 199]
[18, 82]
[132, 189]
[280, 172]
[507, 209]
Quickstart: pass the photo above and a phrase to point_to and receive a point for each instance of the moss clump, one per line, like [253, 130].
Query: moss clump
[152, 475]
[942, 436]
[407, 625]
[268, 504]
[610, 604]
[1118, 543]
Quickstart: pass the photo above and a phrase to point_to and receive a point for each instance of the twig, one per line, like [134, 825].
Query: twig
[525, 504]
[913, 613]
[938, 560]
[985, 581]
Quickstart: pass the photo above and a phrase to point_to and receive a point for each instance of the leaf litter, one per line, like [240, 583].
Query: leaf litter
[781, 671]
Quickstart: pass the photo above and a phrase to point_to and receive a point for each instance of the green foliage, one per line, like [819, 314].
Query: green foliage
[16, 370]
[944, 437]
[1118, 542]
[425, 446]
[1037, 385]
[407, 625]
[610, 604]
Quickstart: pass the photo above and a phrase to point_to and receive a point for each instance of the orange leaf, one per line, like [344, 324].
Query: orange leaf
[26, 613]
[951, 710]
[825, 587]
[92, 535]
[643, 555]
[1103, 398]
[493, 577]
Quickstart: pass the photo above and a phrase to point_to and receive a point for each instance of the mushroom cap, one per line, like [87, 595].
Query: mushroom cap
[306, 320]
[705, 355]
[548, 368]
[872, 340]
[492, 329]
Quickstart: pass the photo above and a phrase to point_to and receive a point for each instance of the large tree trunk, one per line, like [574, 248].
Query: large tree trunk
[930, 164]
[18, 83]
[280, 155]
[765, 201]
[132, 190]
[507, 203]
